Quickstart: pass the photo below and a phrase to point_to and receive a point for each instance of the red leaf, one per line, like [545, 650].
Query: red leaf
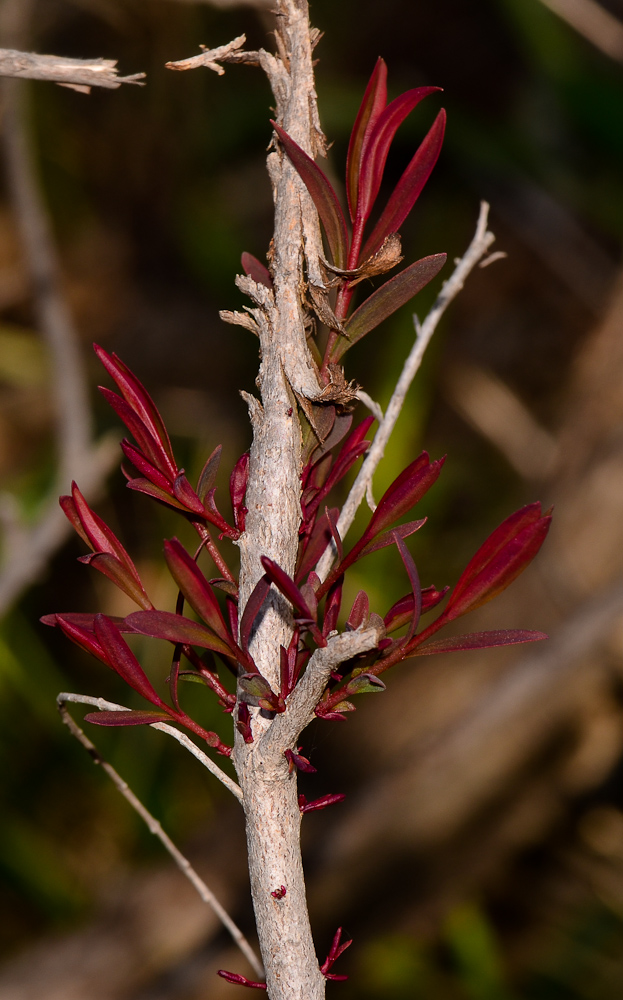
[299, 762]
[177, 628]
[478, 640]
[409, 187]
[238, 488]
[332, 607]
[121, 658]
[256, 270]
[504, 555]
[414, 579]
[183, 491]
[83, 637]
[140, 463]
[144, 486]
[402, 611]
[195, 587]
[288, 588]
[387, 537]
[99, 537]
[83, 620]
[404, 493]
[252, 609]
[121, 576]
[134, 718]
[321, 803]
[378, 143]
[137, 397]
[323, 197]
[386, 300]
[208, 473]
[149, 445]
[68, 507]
[233, 977]
[216, 518]
[360, 611]
[373, 102]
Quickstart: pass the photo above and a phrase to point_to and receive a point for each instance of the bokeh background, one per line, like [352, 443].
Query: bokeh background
[479, 852]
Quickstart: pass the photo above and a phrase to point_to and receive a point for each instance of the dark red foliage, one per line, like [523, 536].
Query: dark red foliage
[233, 977]
[335, 951]
[331, 450]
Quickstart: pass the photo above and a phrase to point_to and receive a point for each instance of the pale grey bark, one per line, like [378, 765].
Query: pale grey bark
[80, 74]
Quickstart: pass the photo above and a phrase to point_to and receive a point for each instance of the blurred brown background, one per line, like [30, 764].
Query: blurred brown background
[479, 853]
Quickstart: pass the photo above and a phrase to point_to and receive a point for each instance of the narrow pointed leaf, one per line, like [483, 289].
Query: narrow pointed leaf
[183, 491]
[288, 588]
[208, 473]
[120, 575]
[122, 659]
[478, 640]
[233, 977]
[137, 397]
[323, 197]
[195, 587]
[377, 146]
[83, 620]
[321, 803]
[404, 493]
[134, 718]
[68, 507]
[237, 489]
[409, 187]
[387, 299]
[148, 470]
[387, 537]
[177, 628]
[340, 429]
[402, 611]
[414, 580]
[360, 611]
[99, 536]
[83, 637]
[498, 562]
[252, 609]
[152, 449]
[144, 486]
[373, 103]
[299, 762]
[332, 607]
[256, 270]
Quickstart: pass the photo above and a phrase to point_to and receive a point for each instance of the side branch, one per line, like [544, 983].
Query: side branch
[287, 727]
[481, 242]
[163, 727]
[80, 74]
[154, 827]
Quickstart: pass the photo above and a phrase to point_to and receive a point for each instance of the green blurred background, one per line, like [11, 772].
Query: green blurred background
[154, 193]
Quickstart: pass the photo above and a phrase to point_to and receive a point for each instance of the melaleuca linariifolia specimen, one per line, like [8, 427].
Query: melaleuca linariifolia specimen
[331, 447]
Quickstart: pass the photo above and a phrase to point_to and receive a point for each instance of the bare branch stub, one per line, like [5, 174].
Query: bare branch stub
[78, 73]
[153, 824]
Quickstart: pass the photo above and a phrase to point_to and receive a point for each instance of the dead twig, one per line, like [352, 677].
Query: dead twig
[79, 74]
[363, 484]
[153, 824]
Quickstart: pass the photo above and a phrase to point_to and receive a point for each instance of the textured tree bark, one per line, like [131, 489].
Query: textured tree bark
[273, 500]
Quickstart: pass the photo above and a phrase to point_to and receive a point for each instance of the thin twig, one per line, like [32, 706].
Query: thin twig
[591, 20]
[154, 827]
[79, 74]
[477, 249]
[163, 727]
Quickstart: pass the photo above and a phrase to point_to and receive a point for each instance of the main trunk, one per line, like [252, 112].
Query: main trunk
[273, 824]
